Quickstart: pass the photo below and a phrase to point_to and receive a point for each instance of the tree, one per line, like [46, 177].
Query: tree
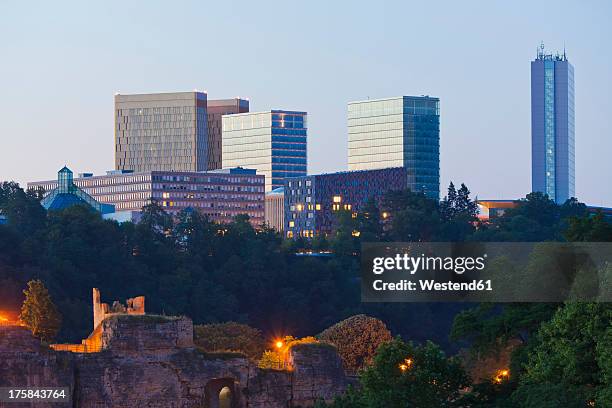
[369, 223]
[449, 203]
[572, 350]
[407, 376]
[357, 339]
[38, 312]
[414, 216]
[589, 228]
[22, 209]
[230, 336]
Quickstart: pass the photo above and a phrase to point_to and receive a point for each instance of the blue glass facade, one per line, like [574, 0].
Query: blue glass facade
[312, 201]
[67, 194]
[552, 126]
[274, 143]
[397, 132]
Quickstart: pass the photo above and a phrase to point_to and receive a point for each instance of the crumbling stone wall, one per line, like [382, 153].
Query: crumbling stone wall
[150, 361]
[134, 306]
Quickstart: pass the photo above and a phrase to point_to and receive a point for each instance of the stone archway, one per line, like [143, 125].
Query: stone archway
[221, 393]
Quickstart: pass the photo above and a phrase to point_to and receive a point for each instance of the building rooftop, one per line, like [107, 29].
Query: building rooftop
[344, 172]
[395, 98]
[268, 111]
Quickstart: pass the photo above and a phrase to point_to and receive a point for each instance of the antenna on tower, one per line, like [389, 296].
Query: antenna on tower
[541, 50]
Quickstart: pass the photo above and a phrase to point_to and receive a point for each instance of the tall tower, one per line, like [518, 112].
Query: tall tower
[552, 126]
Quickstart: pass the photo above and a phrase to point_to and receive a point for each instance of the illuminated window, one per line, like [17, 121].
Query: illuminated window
[299, 207]
[335, 207]
[165, 195]
[354, 215]
[318, 207]
[347, 206]
[289, 234]
[356, 233]
[291, 224]
[337, 199]
[385, 215]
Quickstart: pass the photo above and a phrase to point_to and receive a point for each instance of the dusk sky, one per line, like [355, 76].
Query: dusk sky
[62, 62]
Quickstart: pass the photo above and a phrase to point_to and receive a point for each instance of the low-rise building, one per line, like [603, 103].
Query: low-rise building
[275, 209]
[219, 194]
[312, 201]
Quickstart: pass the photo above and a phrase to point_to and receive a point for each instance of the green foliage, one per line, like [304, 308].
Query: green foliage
[229, 336]
[589, 228]
[38, 312]
[573, 350]
[357, 339]
[429, 380]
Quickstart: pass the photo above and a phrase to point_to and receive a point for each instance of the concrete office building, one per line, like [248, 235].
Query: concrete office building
[275, 209]
[219, 194]
[161, 132]
[312, 201]
[397, 132]
[552, 126]
[215, 110]
[272, 142]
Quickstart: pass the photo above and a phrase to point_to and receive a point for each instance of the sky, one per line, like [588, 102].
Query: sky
[62, 62]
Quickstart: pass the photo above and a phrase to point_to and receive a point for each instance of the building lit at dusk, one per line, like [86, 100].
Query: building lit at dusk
[273, 143]
[397, 132]
[552, 126]
[312, 202]
[219, 194]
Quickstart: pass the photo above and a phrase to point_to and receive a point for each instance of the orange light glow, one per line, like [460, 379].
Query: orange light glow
[501, 376]
[3, 319]
[279, 344]
[406, 364]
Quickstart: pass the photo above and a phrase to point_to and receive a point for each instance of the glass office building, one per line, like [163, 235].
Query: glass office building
[164, 131]
[552, 126]
[273, 143]
[215, 110]
[397, 132]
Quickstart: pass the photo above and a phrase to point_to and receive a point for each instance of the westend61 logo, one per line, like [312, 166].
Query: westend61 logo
[412, 265]
[486, 272]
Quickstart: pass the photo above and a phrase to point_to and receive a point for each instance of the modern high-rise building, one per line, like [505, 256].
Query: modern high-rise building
[552, 126]
[273, 143]
[163, 132]
[216, 109]
[397, 132]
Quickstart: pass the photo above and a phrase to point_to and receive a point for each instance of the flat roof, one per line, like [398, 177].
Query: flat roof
[268, 111]
[395, 98]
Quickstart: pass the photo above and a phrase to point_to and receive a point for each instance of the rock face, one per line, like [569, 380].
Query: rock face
[25, 363]
[150, 361]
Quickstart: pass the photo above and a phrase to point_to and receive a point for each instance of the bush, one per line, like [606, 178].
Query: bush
[357, 339]
[229, 337]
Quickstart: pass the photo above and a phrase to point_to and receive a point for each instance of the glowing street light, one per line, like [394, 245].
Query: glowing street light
[279, 344]
[406, 364]
[501, 376]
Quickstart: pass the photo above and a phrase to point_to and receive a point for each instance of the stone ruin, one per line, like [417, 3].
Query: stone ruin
[133, 306]
[150, 360]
